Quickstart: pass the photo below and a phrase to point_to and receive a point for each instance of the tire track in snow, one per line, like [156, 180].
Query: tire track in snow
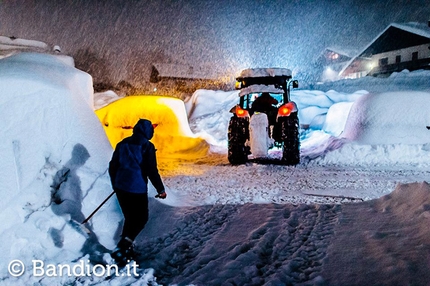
[250, 244]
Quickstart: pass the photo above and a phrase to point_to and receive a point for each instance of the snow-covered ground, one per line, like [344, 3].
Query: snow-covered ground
[332, 220]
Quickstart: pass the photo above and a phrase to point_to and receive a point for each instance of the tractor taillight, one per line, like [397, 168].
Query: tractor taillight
[240, 112]
[287, 109]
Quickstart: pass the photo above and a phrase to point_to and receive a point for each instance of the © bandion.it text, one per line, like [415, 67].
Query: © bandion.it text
[82, 268]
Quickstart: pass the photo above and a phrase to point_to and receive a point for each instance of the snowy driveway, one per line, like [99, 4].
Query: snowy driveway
[212, 180]
[276, 225]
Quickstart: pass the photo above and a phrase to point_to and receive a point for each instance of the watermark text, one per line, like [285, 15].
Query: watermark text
[82, 268]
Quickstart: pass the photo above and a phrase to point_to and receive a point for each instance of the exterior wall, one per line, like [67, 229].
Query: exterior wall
[391, 62]
[359, 68]
[405, 54]
[356, 75]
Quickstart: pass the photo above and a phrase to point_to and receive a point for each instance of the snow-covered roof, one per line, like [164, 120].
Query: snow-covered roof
[340, 51]
[414, 28]
[343, 55]
[260, 88]
[262, 72]
[12, 43]
[419, 29]
[183, 71]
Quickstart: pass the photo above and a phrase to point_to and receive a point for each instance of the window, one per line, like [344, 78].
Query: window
[383, 62]
[415, 56]
[398, 59]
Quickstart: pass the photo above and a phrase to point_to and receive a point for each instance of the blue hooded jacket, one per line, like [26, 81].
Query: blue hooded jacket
[134, 161]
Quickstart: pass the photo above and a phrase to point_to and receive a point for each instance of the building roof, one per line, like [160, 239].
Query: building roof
[411, 34]
[343, 55]
[12, 43]
[331, 57]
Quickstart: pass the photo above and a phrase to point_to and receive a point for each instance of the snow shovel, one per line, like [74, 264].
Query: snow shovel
[80, 227]
[97, 209]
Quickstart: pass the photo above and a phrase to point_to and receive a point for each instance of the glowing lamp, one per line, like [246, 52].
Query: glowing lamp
[238, 85]
[287, 109]
[240, 112]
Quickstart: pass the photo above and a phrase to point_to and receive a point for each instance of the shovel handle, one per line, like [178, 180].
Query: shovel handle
[91, 215]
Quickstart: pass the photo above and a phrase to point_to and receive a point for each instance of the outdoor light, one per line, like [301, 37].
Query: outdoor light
[240, 112]
[238, 85]
[287, 109]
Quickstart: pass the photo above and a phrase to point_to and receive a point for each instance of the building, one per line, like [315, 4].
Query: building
[11, 45]
[329, 63]
[398, 47]
[182, 79]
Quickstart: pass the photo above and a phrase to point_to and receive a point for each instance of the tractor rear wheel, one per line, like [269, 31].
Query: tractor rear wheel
[290, 139]
[238, 133]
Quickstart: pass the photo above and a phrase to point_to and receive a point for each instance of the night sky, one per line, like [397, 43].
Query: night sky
[225, 35]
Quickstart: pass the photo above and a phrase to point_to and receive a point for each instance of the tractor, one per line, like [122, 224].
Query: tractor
[264, 119]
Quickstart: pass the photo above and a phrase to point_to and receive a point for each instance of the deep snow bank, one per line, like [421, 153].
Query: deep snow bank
[389, 118]
[172, 135]
[48, 130]
[208, 112]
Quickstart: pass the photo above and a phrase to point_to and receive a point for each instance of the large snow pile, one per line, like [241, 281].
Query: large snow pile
[172, 136]
[314, 105]
[209, 112]
[317, 110]
[389, 118]
[52, 142]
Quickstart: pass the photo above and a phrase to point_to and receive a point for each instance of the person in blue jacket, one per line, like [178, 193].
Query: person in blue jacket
[133, 163]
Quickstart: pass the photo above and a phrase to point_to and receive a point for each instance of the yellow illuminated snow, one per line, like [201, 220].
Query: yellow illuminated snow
[172, 137]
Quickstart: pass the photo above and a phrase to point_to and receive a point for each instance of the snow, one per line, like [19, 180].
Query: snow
[332, 124]
[104, 98]
[173, 134]
[261, 72]
[389, 118]
[48, 124]
[259, 144]
[327, 220]
[414, 27]
[259, 88]
[11, 45]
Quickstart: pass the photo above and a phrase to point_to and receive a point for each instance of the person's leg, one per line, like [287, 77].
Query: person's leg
[135, 210]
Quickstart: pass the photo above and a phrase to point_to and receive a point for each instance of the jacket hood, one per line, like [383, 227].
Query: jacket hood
[144, 128]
